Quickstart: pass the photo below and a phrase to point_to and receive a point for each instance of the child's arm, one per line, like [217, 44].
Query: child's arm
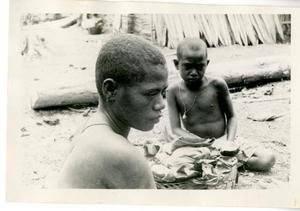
[227, 108]
[174, 117]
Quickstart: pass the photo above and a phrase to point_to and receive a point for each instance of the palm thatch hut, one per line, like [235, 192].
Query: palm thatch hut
[167, 30]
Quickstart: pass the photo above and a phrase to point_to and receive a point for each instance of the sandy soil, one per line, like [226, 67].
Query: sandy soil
[45, 136]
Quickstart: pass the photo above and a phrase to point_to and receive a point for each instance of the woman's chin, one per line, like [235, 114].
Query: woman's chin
[145, 127]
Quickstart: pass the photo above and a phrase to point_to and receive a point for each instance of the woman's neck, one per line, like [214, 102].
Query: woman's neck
[116, 125]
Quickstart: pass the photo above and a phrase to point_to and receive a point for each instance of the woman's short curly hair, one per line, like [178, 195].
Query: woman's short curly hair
[126, 59]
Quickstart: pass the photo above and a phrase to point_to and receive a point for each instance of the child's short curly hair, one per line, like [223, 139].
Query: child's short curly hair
[126, 58]
[195, 44]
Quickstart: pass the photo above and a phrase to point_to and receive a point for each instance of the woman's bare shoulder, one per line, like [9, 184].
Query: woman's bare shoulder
[107, 160]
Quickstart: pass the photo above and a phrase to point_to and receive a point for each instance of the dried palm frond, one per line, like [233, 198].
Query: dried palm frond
[256, 28]
[171, 30]
[269, 26]
[242, 31]
[193, 24]
[226, 29]
[250, 30]
[204, 28]
[234, 28]
[215, 26]
[262, 28]
[178, 27]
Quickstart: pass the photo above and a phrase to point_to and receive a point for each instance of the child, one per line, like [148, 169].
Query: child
[131, 79]
[204, 107]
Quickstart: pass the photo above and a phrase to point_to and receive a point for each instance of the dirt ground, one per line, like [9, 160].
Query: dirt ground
[45, 136]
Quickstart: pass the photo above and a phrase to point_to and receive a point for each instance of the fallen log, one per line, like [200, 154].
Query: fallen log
[60, 97]
[255, 72]
[245, 73]
[259, 76]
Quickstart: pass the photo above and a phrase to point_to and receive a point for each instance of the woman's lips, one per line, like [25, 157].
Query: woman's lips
[156, 119]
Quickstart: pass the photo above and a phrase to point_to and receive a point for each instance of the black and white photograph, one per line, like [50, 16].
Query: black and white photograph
[160, 101]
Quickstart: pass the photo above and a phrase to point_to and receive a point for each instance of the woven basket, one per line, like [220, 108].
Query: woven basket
[227, 181]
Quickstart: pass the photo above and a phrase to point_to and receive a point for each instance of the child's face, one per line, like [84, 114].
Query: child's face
[192, 66]
[140, 105]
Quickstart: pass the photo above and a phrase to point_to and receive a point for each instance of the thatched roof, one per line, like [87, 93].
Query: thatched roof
[216, 30]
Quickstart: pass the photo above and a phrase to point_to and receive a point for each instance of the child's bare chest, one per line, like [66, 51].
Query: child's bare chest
[205, 101]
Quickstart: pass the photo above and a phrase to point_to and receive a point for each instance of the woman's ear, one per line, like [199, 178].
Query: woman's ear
[109, 89]
[176, 62]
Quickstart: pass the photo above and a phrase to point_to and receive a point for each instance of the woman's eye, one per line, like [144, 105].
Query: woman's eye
[164, 93]
[152, 93]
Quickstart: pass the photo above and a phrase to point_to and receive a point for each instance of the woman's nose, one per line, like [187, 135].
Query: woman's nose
[159, 104]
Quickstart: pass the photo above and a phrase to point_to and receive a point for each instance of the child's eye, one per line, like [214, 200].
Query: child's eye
[200, 67]
[187, 66]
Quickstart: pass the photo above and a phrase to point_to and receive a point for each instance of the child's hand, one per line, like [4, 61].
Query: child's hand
[229, 149]
[207, 142]
[192, 142]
